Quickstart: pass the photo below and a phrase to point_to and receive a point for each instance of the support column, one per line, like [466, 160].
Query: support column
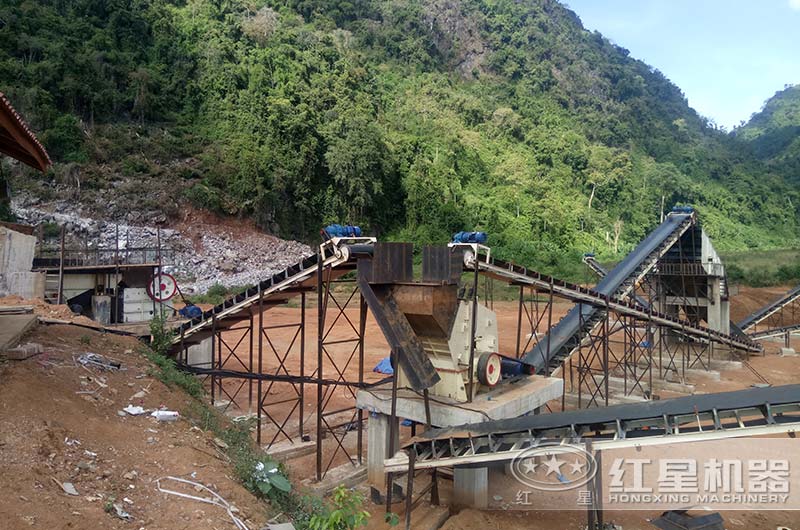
[471, 487]
[379, 429]
[725, 316]
[714, 305]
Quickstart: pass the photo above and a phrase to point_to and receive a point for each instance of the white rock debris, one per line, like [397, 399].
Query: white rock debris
[217, 256]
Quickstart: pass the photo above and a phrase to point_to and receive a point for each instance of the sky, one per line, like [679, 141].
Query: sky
[728, 56]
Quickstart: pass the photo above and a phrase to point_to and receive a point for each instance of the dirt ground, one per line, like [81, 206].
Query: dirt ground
[45, 310]
[60, 422]
[748, 299]
[633, 520]
[47, 402]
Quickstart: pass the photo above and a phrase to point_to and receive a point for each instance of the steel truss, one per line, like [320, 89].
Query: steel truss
[332, 419]
[531, 314]
[784, 318]
[253, 358]
[781, 314]
[295, 347]
[618, 349]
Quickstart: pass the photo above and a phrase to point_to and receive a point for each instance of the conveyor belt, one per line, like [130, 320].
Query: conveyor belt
[567, 335]
[593, 264]
[751, 412]
[768, 310]
[774, 332]
[337, 254]
[592, 299]
[598, 269]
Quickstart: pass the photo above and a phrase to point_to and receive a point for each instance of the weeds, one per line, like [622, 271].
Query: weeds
[346, 513]
[217, 294]
[261, 475]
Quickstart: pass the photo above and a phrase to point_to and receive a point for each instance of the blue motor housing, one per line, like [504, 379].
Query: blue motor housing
[512, 367]
[190, 311]
[342, 231]
[471, 237]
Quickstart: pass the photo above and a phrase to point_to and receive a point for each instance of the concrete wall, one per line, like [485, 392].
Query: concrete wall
[200, 354]
[75, 284]
[28, 285]
[712, 263]
[16, 256]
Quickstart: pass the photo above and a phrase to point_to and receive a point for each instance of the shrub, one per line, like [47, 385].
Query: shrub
[347, 512]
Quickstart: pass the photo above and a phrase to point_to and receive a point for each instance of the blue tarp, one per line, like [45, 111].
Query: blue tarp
[384, 367]
[190, 311]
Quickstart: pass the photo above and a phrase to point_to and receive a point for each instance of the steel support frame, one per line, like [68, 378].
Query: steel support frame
[274, 359]
[264, 360]
[619, 345]
[532, 312]
[263, 357]
[332, 419]
[224, 354]
[787, 315]
[637, 356]
[593, 362]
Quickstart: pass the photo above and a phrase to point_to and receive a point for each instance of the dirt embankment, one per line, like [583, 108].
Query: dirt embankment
[749, 299]
[61, 423]
[45, 310]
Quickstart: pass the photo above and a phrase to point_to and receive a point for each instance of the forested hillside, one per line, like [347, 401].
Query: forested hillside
[414, 118]
[774, 133]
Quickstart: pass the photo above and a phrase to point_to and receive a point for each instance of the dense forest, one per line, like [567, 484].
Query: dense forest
[413, 118]
[774, 133]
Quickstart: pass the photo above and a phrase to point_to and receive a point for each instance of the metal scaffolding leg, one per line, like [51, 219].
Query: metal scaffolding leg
[334, 419]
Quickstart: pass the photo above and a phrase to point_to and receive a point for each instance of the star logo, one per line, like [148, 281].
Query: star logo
[553, 465]
[529, 466]
[577, 467]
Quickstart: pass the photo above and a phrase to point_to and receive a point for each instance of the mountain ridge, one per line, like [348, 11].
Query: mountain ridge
[773, 133]
[415, 118]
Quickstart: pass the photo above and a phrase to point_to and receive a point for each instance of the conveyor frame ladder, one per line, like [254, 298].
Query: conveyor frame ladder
[758, 316]
[516, 274]
[334, 253]
[460, 446]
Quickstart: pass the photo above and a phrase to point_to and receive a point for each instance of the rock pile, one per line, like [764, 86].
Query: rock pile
[212, 254]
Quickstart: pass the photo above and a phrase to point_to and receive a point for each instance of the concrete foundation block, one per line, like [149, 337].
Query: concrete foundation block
[199, 355]
[286, 451]
[378, 432]
[346, 475]
[471, 487]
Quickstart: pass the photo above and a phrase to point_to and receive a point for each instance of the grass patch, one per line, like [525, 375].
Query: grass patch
[763, 268]
[217, 294]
